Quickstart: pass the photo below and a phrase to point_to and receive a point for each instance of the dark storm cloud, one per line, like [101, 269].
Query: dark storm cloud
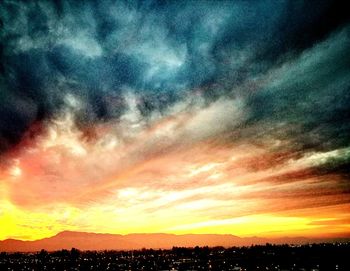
[311, 93]
[162, 51]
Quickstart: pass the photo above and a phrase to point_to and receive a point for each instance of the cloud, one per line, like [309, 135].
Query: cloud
[50, 49]
[211, 112]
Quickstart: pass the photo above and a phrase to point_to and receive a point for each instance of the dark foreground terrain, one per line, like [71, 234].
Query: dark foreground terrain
[313, 257]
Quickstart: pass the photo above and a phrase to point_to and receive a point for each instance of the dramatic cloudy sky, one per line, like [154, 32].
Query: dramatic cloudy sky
[174, 116]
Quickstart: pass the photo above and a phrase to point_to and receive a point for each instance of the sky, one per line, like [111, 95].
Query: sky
[226, 117]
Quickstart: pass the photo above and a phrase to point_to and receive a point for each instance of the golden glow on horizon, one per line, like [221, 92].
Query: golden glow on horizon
[127, 183]
[19, 224]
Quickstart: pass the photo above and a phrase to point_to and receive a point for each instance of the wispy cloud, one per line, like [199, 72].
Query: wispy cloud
[198, 116]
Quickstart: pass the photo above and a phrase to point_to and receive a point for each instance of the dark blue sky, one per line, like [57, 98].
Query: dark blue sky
[166, 50]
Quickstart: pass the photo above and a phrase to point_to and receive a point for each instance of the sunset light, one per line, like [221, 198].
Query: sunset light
[188, 117]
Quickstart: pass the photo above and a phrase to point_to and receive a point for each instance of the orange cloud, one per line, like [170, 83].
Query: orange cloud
[169, 173]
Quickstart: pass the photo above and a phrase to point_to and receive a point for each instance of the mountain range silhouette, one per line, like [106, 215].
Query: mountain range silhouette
[99, 241]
